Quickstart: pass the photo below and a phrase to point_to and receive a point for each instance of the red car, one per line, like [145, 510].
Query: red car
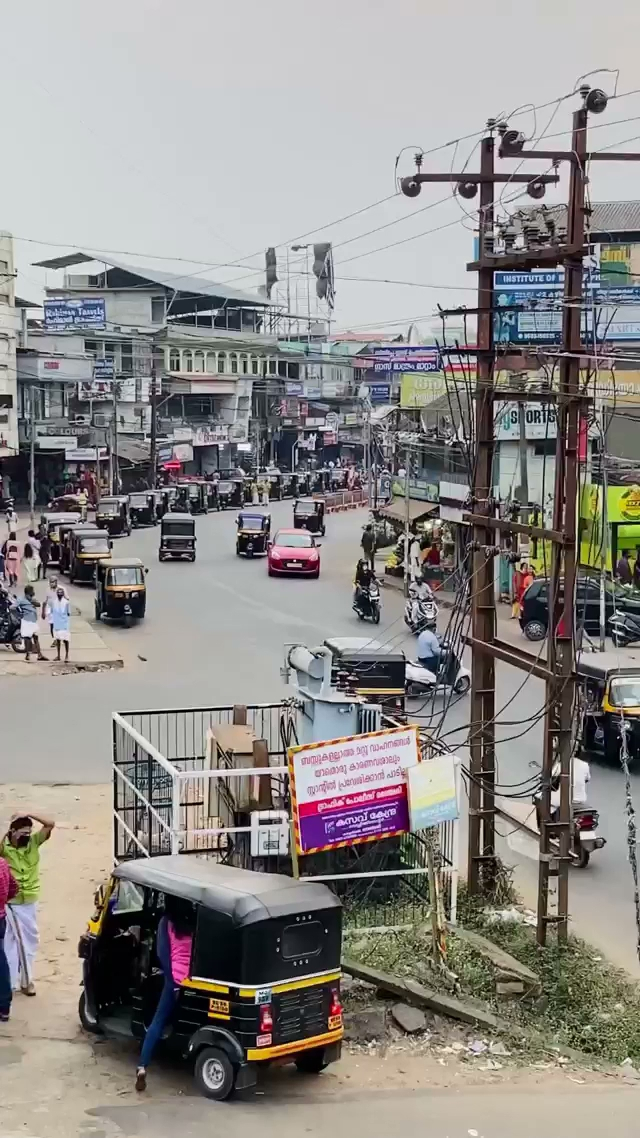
[294, 551]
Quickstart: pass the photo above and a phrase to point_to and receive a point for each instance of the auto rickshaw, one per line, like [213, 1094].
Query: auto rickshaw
[177, 537]
[87, 545]
[254, 527]
[264, 975]
[65, 504]
[121, 590]
[308, 513]
[611, 696]
[320, 480]
[65, 531]
[161, 500]
[287, 485]
[52, 523]
[142, 508]
[112, 514]
[230, 493]
[211, 489]
[193, 497]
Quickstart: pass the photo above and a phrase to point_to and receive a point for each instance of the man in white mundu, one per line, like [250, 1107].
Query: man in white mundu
[20, 847]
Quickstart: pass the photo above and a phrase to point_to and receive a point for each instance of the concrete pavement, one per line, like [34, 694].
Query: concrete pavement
[87, 653]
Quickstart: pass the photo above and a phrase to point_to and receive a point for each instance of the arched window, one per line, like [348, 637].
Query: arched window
[244, 365]
[174, 360]
[255, 366]
[233, 361]
[222, 363]
[198, 361]
[187, 360]
[211, 363]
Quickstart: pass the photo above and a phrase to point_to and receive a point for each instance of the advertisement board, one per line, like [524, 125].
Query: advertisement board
[379, 392]
[418, 391]
[406, 358]
[432, 792]
[351, 790]
[540, 421]
[211, 436]
[63, 315]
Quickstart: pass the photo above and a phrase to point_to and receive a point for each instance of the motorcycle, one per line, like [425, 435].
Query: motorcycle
[420, 610]
[624, 628]
[451, 676]
[367, 602]
[10, 627]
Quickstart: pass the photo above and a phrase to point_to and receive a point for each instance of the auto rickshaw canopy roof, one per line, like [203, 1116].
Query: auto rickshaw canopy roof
[603, 665]
[53, 517]
[174, 516]
[309, 506]
[242, 894]
[121, 562]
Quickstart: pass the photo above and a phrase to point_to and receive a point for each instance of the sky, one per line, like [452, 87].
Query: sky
[208, 131]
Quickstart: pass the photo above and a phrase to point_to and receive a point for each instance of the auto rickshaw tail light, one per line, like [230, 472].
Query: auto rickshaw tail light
[336, 1005]
[266, 1018]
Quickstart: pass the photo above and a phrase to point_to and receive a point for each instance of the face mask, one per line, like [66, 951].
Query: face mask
[22, 840]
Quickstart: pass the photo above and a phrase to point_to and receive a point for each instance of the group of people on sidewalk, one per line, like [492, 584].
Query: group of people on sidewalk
[33, 556]
[55, 609]
[19, 895]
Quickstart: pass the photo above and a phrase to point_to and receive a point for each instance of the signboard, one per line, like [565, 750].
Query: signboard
[183, 452]
[612, 299]
[418, 391]
[331, 421]
[95, 390]
[239, 431]
[432, 792]
[103, 368]
[85, 454]
[379, 392]
[329, 438]
[294, 388]
[57, 428]
[351, 790]
[211, 436]
[540, 421]
[55, 442]
[406, 358]
[62, 315]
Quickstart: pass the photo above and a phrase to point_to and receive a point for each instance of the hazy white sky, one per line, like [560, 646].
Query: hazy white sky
[209, 130]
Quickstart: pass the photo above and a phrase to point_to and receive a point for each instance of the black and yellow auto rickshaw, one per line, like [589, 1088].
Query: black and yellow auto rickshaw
[52, 523]
[112, 514]
[161, 500]
[230, 493]
[192, 496]
[66, 504]
[308, 513]
[87, 545]
[121, 590]
[264, 976]
[177, 537]
[287, 485]
[611, 700]
[142, 508]
[253, 529]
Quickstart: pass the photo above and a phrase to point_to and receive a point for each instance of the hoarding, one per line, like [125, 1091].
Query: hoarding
[63, 315]
[432, 792]
[351, 790]
[379, 392]
[406, 358]
[540, 421]
[418, 391]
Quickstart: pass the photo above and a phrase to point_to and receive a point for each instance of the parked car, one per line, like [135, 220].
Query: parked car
[534, 618]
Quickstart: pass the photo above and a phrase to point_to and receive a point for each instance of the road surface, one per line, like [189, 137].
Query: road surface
[215, 634]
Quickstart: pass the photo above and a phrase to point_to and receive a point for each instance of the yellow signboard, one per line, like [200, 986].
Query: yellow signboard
[418, 389]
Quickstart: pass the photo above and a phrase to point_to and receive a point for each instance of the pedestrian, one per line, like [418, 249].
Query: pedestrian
[61, 622]
[174, 943]
[518, 590]
[623, 569]
[255, 496]
[45, 555]
[368, 543]
[83, 502]
[27, 608]
[12, 559]
[11, 519]
[48, 603]
[21, 849]
[433, 556]
[30, 563]
[266, 486]
[8, 890]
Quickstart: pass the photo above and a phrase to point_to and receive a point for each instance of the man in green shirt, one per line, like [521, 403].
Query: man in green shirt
[21, 849]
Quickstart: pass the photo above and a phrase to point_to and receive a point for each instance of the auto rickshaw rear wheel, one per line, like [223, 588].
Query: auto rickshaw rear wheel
[311, 1062]
[214, 1073]
[87, 1024]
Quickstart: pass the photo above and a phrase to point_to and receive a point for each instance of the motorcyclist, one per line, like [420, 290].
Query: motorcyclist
[580, 776]
[429, 651]
[363, 580]
[419, 594]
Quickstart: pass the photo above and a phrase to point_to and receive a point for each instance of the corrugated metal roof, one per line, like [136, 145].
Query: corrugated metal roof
[607, 217]
[198, 285]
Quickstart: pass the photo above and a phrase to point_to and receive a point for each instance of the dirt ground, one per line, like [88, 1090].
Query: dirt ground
[55, 1080]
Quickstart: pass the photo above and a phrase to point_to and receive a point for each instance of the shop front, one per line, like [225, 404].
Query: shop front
[615, 527]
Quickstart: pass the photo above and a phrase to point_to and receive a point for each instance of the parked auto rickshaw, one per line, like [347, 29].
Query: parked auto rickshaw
[161, 500]
[308, 513]
[611, 697]
[254, 527]
[65, 531]
[177, 537]
[230, 493]
[142, 508]
[52, 523]
[211, 489]
[287, 485]
[264, 975]
[193, 497]
[112, 514]
[65, 504]
[86, 546]
[320, 480]
[121, 590]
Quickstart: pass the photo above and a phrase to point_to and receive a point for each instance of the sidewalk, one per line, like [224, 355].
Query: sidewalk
[87, 651]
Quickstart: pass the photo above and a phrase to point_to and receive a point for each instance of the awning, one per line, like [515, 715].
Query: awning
[134, 451]
[397, 509]
[379, 414]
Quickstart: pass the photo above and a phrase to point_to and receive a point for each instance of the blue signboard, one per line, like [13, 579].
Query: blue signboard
[406, 358]
[379, 392]
[103, 368]
[66, 315]
[294, 388]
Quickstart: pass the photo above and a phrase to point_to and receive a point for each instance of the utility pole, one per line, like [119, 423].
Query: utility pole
[114, 451]
[32, 455]
[407, 519]
[604, 534]
[153, 448]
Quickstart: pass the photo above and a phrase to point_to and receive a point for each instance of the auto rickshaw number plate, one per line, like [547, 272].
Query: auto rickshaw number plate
[221, 1006]
[335, 1021]
[263, 996]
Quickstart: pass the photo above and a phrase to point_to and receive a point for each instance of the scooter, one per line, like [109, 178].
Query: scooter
[367, 602]
[452, 676]
[420, 610]
[584, 839]
[10, 627]
[625, 628]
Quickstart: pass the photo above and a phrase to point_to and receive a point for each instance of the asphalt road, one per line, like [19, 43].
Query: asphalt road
[215, 634]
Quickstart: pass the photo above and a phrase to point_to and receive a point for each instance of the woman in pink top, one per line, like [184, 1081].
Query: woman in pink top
[173, 949]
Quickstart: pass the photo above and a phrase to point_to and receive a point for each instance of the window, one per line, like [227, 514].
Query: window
[273, 367]
[174, 360]
[222, 363]
[157, 309]
[233, 360]
[244, 365]
[198, 361]
[91, 347]
[255, 366]
[302, 940]
[126, 357]
[187, 361]
[211, 363]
